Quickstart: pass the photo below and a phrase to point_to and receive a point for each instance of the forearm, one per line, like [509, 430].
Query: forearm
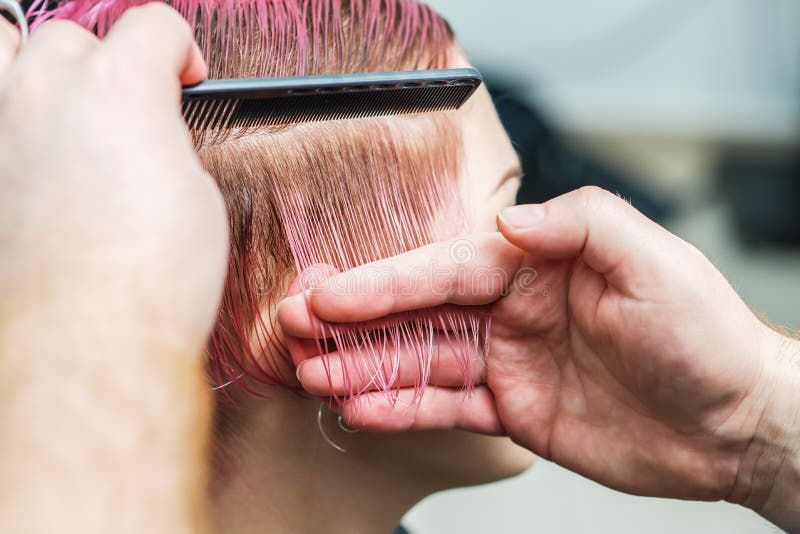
[104, 423]
[769, 476]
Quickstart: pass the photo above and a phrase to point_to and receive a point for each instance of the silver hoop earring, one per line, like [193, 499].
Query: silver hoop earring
[340, 422]
[13, 8]
[345, 427]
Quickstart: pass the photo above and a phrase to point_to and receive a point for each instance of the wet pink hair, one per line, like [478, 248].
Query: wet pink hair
[341, 194]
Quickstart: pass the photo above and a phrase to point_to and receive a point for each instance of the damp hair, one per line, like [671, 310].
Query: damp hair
[341, 194]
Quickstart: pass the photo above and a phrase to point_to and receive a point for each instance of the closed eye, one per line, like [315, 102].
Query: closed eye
[515, 173]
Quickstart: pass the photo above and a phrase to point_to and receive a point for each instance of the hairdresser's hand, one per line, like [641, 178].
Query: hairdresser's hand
[113, 249]
[627, 358]
[101, 194]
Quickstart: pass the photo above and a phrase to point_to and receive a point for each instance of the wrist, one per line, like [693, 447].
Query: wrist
[769, 473]
[99, 406]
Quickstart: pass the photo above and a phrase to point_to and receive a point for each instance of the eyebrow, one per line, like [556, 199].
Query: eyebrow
[512, 173]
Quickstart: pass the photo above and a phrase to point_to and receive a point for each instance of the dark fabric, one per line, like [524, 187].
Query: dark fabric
[552, 167]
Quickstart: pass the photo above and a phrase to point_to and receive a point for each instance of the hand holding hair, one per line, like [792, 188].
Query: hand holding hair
[114, 251]
[616, 350]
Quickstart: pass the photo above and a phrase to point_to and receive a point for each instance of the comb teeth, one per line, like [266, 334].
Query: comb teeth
[245, 114]
[215, 110]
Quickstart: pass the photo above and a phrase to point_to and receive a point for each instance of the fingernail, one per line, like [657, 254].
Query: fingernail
[522, 216]
[297, 372]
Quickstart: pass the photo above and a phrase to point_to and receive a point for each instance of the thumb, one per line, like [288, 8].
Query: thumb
[607, 233]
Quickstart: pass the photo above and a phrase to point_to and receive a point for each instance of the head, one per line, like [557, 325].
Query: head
[342, 193]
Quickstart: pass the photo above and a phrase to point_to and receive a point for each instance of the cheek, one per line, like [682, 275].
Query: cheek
[507, 195]
[485, 218]
[488, 156]
[484, 209]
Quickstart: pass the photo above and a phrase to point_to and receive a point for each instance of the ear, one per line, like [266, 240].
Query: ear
[303, 349]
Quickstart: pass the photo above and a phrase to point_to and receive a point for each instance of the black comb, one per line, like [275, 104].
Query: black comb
[252, 103]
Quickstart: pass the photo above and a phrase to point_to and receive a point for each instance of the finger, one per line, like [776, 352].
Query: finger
[9, 43]
[425, 278]
[601, 228]
[339, 375]
[157, 42]
[300, 322]
[57, 40]
[439, 409]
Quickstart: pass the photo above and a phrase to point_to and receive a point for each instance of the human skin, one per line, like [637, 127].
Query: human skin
[627, 358]
[9, 42]
[271, 448]
[112, 268]
[270, 460]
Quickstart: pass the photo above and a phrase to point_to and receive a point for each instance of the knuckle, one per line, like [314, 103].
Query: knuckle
[599, 201]
[65, 47]
[158, 12]
[57, 26]
[149, 9]
[160, 9]
[66, 38]
[593, 197]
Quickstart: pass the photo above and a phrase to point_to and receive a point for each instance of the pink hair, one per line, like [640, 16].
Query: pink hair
[341, 194]
[310, 31]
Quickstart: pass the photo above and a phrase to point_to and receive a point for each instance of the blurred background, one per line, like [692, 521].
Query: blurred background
[690, 109]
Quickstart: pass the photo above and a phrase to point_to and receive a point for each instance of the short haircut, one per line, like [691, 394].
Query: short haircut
[343, 193]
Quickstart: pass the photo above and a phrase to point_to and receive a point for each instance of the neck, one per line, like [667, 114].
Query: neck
[274, 472]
